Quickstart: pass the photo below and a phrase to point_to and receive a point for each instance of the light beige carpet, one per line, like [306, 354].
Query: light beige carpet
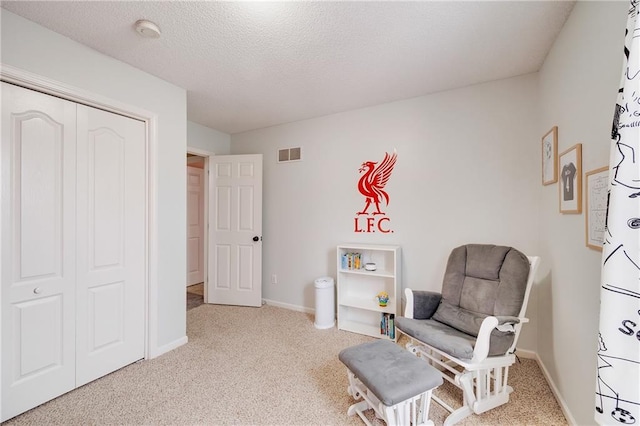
[257, 366]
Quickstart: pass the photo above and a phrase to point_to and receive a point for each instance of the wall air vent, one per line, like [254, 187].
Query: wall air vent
[289, 154]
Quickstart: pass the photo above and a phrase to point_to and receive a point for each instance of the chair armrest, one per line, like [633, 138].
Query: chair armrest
[502, 323]
[421, 304]
[481, 349]
[506, 323]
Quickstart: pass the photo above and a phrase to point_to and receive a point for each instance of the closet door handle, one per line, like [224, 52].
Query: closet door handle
[37, 290]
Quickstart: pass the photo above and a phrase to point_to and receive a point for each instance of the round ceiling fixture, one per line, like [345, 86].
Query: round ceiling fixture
[147, 29]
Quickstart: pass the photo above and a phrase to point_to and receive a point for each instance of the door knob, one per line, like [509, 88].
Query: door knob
[37, 290]
[256, 238]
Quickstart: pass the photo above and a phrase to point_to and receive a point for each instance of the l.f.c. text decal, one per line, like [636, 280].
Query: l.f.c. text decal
[371, 185]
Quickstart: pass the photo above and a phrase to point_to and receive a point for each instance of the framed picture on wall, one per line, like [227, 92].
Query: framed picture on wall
[550, 157]
[597, 195]
[570, 187]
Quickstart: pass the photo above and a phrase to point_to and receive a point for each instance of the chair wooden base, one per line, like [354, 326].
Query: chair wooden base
[484, 386]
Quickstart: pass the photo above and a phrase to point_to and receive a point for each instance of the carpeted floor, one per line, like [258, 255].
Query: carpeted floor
[258, 366]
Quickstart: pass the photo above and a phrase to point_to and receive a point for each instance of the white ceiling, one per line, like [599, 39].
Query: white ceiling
[248, 65]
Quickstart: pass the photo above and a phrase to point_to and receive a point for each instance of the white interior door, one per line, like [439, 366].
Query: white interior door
[235, 230]
[110, 241]
[195, 225]
[38, 248]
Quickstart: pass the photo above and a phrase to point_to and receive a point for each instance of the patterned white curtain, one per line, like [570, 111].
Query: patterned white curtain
[618, 372]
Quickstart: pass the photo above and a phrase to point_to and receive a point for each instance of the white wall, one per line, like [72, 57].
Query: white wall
[468, 171]
[33, 48]
[578, 89]
[201, 137]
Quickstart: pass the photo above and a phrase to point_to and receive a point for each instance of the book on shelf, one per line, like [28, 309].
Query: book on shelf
[352, 261]
[387, 325]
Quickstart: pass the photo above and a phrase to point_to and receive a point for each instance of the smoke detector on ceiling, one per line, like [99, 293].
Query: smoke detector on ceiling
[147, 29]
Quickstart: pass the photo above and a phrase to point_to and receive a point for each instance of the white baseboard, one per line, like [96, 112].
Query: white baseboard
[156, 352]
[523, 353]
[289, 306]
[554, 390]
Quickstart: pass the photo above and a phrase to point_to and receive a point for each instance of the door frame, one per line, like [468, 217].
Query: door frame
[200, 170]
[206, 154]
[28, 80]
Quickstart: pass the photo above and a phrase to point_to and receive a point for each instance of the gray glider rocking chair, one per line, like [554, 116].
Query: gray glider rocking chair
[469, 331]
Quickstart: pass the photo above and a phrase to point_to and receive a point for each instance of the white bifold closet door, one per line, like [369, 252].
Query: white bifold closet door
[110, 260]
[73, 245]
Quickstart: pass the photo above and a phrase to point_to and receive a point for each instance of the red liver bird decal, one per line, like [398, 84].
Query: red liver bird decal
[372, 183]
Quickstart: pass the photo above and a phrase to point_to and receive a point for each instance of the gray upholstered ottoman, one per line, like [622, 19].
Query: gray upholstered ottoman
[394, 383]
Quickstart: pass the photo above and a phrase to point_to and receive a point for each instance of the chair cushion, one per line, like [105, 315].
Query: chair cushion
[466, 321]
[390, 372]
[438, 335]
[450, 340]
[486, 279]
[425, 303]
[485, 261]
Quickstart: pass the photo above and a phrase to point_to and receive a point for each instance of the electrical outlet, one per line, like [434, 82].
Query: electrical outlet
[274, 279]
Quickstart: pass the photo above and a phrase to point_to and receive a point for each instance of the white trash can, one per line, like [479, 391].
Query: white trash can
[325, 303]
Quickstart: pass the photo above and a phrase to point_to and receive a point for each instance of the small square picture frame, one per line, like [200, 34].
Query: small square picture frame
[570, 180]
[549, 151]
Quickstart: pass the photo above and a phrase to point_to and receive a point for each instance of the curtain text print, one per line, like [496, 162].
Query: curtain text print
[371, 185]
[617, 391]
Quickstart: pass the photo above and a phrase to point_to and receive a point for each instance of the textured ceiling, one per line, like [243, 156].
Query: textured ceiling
[248, 65]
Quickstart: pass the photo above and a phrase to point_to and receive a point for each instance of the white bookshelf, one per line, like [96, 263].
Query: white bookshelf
[358, 308]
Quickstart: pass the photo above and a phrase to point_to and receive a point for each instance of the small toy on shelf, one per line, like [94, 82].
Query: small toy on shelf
[383, 298]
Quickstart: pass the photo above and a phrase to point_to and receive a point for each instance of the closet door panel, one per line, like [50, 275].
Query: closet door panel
[38, 184]
[38, 248]
[111, 242]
